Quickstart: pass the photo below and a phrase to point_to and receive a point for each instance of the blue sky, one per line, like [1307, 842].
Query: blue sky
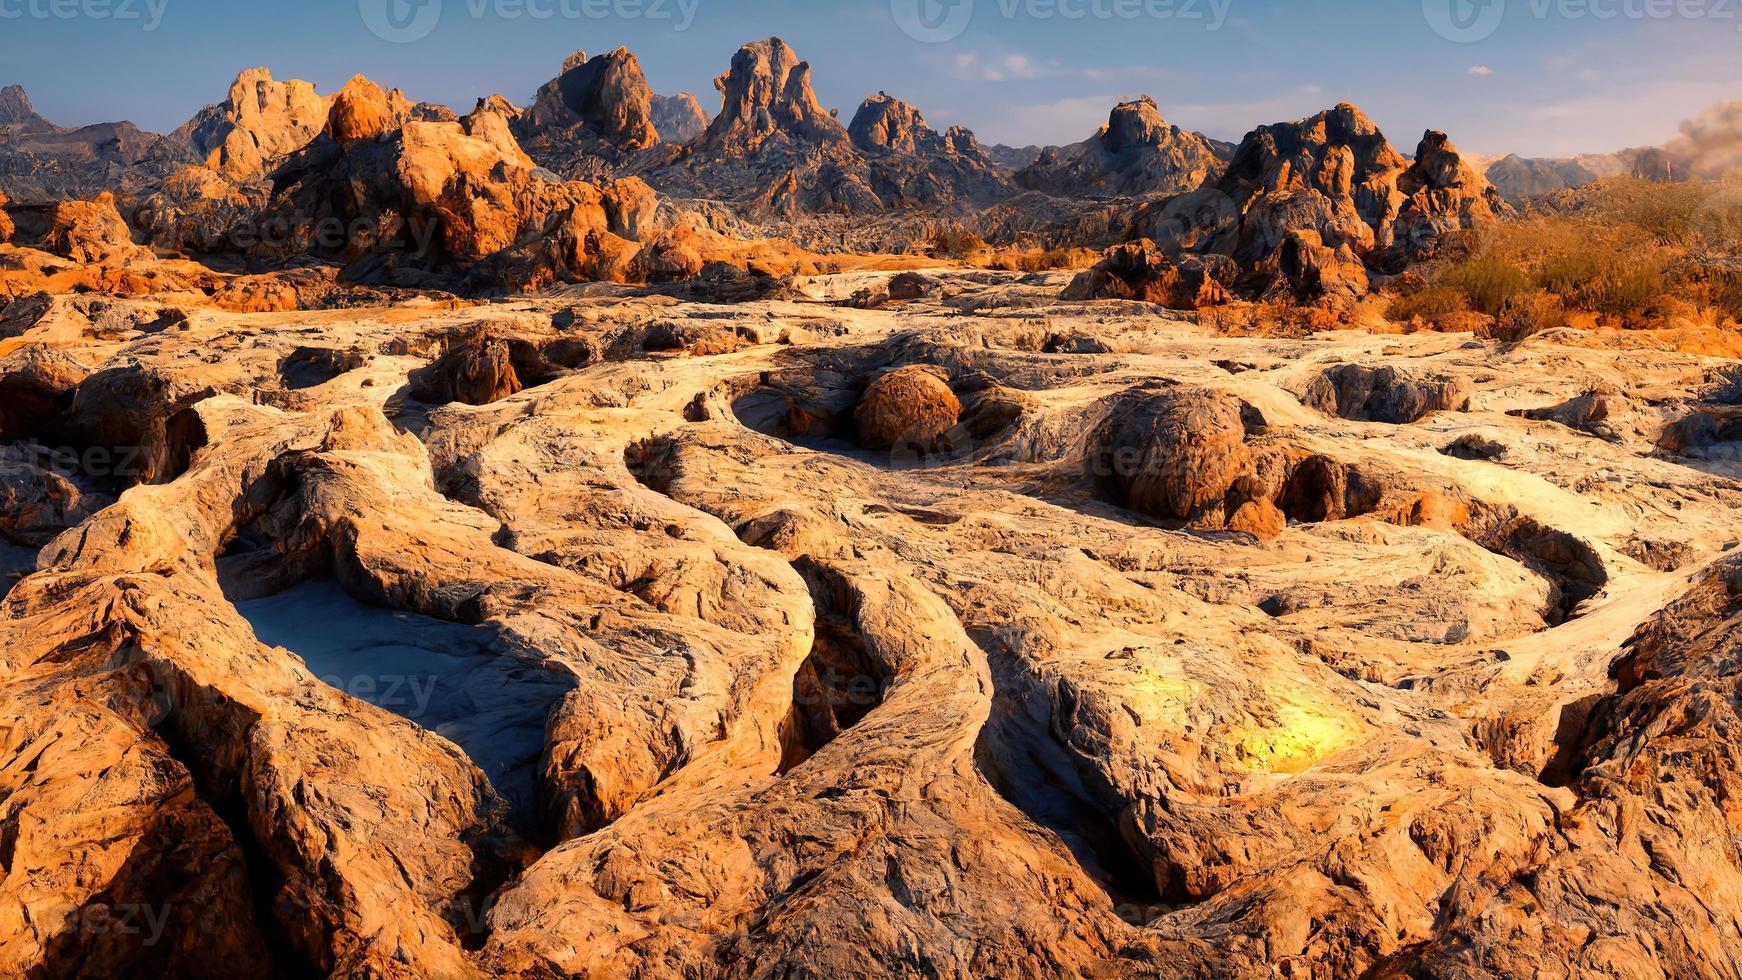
[1544, 77]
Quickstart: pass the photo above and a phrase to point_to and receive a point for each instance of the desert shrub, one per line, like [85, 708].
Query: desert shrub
[951, 240]
[1530, 314]
[1428, 303]
[1671, 213]
[1040, 260]
[1728, 295]
[1566, 272]
[1628, 286]
[1488, 282]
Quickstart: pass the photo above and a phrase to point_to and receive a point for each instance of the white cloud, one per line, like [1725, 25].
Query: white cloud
[1480, 71]
[1589, 75]
[971, 66]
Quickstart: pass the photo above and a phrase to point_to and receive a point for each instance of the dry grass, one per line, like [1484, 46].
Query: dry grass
[1620, 254]
[1037, 260]
[1275, 319]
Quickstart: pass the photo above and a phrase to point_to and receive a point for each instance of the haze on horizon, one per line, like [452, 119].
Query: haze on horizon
[1537, 77]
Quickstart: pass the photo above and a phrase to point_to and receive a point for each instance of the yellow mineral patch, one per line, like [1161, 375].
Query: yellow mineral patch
[1306, 732]
[1162, 698]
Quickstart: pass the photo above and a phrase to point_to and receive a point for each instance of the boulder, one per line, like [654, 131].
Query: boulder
[910, 407]
[1174, 453]
[1382, 394]
[455, 200]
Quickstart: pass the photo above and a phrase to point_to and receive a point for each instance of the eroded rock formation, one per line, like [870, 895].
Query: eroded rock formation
[261, 121]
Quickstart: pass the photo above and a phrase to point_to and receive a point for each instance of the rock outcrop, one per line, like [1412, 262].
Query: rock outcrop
[1137, 154]
[766, 96]
[1139, 271]
[90, 232]
[1442, 195]
[5, 220]
[455, 199]
[912, 164]
[1308, 208]
[886, 125]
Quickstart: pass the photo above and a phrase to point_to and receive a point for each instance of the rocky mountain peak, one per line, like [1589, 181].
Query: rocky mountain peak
[766, 91]
[360, 111]
[16, 110]
[1137, 153]
[885, 124]
[1296, 155]
[261, 120]
[607, 94]
[1135, 124]
[610, 93]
